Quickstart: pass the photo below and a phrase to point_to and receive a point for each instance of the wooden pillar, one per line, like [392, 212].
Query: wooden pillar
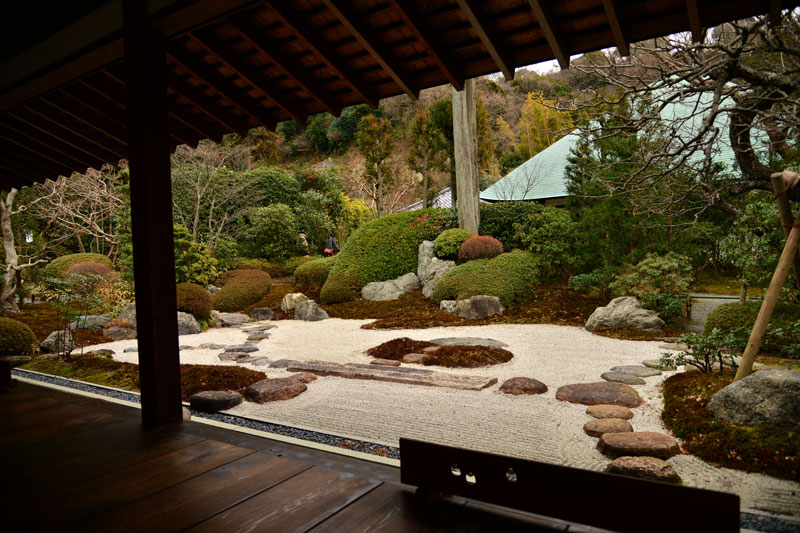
[151, 218]
[465, 141]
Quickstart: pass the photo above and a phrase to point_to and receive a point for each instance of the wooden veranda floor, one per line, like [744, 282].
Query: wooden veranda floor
[76, 463]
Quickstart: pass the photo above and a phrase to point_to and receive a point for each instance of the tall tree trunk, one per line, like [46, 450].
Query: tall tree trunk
[8, 291]
[465, 140]
[379, 190]
[425, 199]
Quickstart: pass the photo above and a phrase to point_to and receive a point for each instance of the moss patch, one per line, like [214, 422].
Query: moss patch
[447, 356]
[44, 319]
[395, 349]
[771, 451]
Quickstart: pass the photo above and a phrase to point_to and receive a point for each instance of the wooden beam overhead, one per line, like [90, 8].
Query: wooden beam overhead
[551, 32]
[693, 13]
[429, 42]
[378, 52]
[24, 145]
[46, 144]
[209, 105]
[64, 103]
[324, 51]
[26, 161]
[612, 14]
[490, 42]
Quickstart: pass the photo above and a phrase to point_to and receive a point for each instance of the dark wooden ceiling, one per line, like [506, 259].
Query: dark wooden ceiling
[265, 62]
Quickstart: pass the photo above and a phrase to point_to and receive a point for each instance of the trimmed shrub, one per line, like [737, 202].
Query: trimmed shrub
[194, 299]
[511, 277]
[16, 338]
[90, 268]
[314, 272]
[253, 264]
[660, 282]
[728, 317]
[242, 289]
[270, 232]
[782, 338]
[480, 247]
[291, 265]
[554, 237]
[497, 220]
[58, 266]
[448, 243]
[383, 249]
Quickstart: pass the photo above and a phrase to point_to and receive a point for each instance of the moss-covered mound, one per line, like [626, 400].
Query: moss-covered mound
[253, 264]
[728, 317]
[395, 349]
[242, 288]
[15, 337]
[90, 268]
[511, 277]
[383, 249]
[772, 451]
[447, 356]
[293, 262]
[58, 266]
[314, 272]
[449, 241]
[194, 299]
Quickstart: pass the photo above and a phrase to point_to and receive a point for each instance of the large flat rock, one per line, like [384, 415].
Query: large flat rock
[409, 375]
[646, 443]
[600, 392]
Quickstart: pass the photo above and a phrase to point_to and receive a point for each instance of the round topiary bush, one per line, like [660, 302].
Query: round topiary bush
[194, 299]
[291, 265]
[511, 277]
[383, 249]
[314, 272]
[58, 266]
[480, 247]
[448, 243]
[253, 264]
[728, 317]
[16, 338]
[243, 288]
[90, 268]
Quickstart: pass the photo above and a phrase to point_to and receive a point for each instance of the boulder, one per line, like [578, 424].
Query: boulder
[119, 334]
[379, 291]
[90, 322]
[304, 377]
[232, 356]
[624, 312]
[609, 411]
[600, 392]
[261, 313]
[636, 370]
[448, 305]
[214, 401]
[292, 300]
[59, 341]
[601, 426]
[187, 325]
[262, 361]
[253, 360]
[242, 348]
[231, 320]
[622, 377]
[648, 443]
[216, 322]
[764, 398]
[425, 254]
[212, 288]
[284, 363]
[273, 390]
[522, 385]
[128, 314]
[415, 358]
[468, 341]
[384, 362]
[650, 468]
[102, 352]
[131, 349]
[434, 272]
[309, 311]
[479, 307]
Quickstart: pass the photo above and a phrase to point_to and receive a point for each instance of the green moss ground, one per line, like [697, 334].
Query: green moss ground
[447, 356]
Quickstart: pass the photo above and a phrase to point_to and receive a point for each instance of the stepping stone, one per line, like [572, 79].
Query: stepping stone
[131, 349]
[274, 390]
[522, 385]
[415, 358]
[284, 363]
[651, 468]
[621, 377]
[384, 362]
[431, 349]
[636, 370]
[258, 337]
[185, 347]
[656, 363]
[252, 360]
[246, 348]
[648, 443]
[212, 346]
[259, 329]
[228, 320]
[596, 428]
[213, 401]
[609, 411]
[408, 375]
[261, 362]
[672, 346]
[468, 341]
[600, 392]
[232, 356]
[304, 377]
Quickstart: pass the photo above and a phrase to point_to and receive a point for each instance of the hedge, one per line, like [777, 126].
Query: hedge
[728, 317]
[16, 338]
[314, 272]
[497, 220]
[58, 266]
[243, 288]
[383, 249]
[194, 299]
[511, 277]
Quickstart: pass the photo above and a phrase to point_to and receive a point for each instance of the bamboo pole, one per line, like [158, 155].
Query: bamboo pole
[771, 298]
[779, 185]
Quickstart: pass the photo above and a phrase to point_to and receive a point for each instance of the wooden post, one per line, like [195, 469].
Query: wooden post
[151, 218]
[779, 185]
[768, 305]
[465, 141]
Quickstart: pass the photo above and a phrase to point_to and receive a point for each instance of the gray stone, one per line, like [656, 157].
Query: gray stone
[211, 346]
[309, 311]
[435, 271]
[187, 325]
[468, 341]
[600, 392]
[767, 397]
[650, 468]
[415, 358]
[59, 341]
[621, 377]
[448, 305]
[601, 426]
[479, 307]
[424, 255]
[273, 390]
[384, 362]
[624, 312]
[243, 348]
[636, 370]
[262, 361]
[656, 363]
[119, 334]
[253, 359]
[215, 401]
[232, 356]
[258, 337]
[292, 300]
[379, 291]
[128, 314]
[102, 352]
[90, 322]
[609, 411]
[131, 349]
[261, 313]
[647, 443]
[230, 320]
[212, 288]
[284, 363]
[183, 347]
[673, 346]
[522, 385]
[258, 329]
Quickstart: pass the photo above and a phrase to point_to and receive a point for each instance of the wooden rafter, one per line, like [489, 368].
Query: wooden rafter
[612, 13]
[490, 41]
[370, 44]
[36, 164]
[544, 17]
[429, 42]
[64, 103]
[183, 117]
[28, 129]
[324, 51]
[693, 13]
[65, 161]
[77, 130]
[211, 106]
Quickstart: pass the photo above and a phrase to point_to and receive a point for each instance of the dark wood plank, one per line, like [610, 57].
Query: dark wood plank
[46, 431]
[43, 417]
[199, 498]
[13, 404]
[295, 505]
